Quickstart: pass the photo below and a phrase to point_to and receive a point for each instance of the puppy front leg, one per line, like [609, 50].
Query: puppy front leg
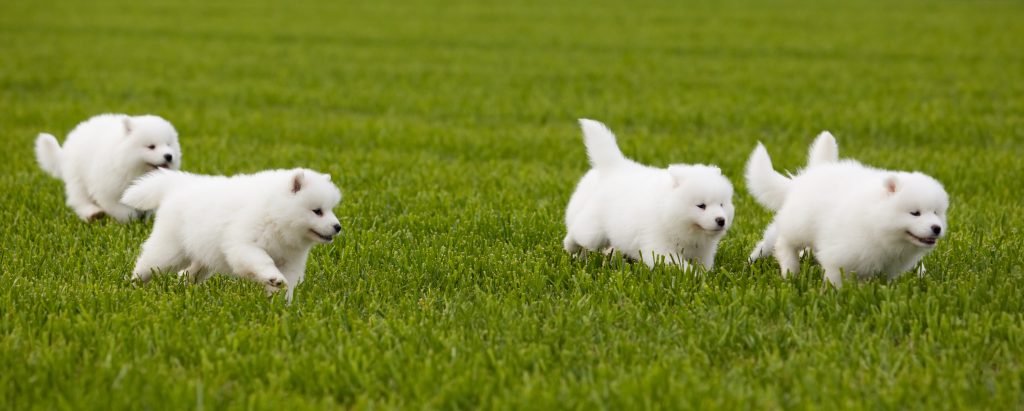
[195, 273]
[570, 245]
[159, 252]
[834, 276]
[669, 256]
[706, 257]
[294, 272]
[251, 261]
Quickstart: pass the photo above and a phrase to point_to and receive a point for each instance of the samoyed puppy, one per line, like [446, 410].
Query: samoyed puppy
[678, 214]
[854, 218]
[103, 155]
[257, 226]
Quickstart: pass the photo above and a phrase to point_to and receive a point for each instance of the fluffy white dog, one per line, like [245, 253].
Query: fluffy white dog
[855, 218]
[258, 226]
[103, 155]
[679, 213]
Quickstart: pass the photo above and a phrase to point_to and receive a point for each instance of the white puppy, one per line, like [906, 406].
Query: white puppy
[679, 213]
[103, 155]
[855, 218]
[258, 226]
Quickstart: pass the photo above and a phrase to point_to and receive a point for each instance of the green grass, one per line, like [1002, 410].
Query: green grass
[451, 129]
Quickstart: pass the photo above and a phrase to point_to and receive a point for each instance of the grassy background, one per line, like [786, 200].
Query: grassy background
[451, 129]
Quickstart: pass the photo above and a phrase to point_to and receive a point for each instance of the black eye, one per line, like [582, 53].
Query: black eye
[318, 212]
[701, 206]
[915, 213]
[151, 146]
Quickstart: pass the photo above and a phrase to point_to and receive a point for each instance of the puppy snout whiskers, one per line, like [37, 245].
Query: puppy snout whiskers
[337, 228]
[936, 229]
[720, 221]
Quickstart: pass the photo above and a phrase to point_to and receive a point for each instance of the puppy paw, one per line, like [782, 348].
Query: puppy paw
[90, 214]
[275, 284]
[138, 279]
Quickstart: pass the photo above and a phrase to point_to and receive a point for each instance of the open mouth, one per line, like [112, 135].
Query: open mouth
[929, 241]
[325, 238]
[162, 165]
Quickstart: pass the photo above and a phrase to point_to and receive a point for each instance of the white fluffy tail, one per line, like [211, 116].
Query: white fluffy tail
[601, 147]
[48, 154]
[148, 191]
[767, 186]
[824, 150]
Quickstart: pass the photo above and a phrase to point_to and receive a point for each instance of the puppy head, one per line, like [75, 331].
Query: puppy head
[915, 205]
[313, 198]
[152, 142]
[703, 197]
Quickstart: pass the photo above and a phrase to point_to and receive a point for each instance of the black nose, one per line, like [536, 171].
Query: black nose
[936, 229]
[168, 157]
[337, 228]
[720, 221]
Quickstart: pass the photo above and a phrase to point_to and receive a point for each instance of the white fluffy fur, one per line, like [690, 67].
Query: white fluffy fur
[855, 218]
[258, 226]
[102, 156]
[647, 213]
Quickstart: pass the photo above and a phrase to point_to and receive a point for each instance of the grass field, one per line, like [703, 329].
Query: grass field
[451, 128]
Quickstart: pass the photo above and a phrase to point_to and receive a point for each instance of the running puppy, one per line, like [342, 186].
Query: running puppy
[679, 213]
[103, 155]
[855, 218]
[257, 226]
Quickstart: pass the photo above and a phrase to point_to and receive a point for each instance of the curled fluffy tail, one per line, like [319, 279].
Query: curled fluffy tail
[824, 150]
[48, 154]
[601, 147]
[767, 186]
[148, 191]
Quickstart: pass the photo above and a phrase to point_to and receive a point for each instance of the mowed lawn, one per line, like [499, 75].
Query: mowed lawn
[451, 128]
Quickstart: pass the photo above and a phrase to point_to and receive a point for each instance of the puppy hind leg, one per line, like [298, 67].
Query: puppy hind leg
[766, 246]
[78, 199]
[786, 254]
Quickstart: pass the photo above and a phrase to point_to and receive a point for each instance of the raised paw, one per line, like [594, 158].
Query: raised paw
[274, 284]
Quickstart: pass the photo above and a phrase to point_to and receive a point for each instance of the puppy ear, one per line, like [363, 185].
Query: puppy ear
[891, 183]
[127, 126]
[678, 174]
[297, 181]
